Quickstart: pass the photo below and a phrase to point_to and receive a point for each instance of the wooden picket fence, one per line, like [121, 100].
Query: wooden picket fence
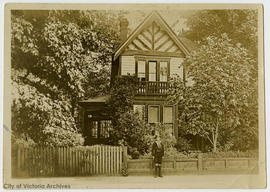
[68, 161]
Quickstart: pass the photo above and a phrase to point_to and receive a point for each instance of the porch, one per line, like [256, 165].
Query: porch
[95, 120]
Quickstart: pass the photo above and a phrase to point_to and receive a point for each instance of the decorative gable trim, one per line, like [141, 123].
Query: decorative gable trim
[149, 37]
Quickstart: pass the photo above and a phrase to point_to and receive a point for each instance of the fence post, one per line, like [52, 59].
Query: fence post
[19, 164]
[56, 162]
[18, 156]
[125, 157]
[174, 164]
[200, 164]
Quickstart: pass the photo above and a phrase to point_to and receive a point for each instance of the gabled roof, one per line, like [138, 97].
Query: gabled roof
[153, 17]
[190, 45]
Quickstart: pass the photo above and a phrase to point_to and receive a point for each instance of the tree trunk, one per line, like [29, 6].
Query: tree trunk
[73, 106]
[215, 136]
[214, 147]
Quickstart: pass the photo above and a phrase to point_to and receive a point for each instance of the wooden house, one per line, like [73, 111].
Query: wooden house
[154, 53]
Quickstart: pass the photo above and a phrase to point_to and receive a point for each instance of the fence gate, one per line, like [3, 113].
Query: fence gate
[41, 161]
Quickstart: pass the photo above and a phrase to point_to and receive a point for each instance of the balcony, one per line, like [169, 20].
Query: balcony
[153, 88]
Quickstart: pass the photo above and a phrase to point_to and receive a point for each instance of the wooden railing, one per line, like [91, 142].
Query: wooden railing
[152, 88]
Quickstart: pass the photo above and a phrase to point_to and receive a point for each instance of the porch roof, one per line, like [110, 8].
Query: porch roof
[99, 99]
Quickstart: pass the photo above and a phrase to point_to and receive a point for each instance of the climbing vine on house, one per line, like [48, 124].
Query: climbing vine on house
[128, 128]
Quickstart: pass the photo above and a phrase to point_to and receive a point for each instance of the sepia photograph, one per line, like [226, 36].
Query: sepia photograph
[134, 96]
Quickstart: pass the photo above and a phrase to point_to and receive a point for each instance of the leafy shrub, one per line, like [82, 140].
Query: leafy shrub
[122, 94]
[146, 156]
[132, 132]
[128, 128]
[183, 144]
[232, 154]
[167, 139]
[22, 140]
[134, 153]
[172, 153]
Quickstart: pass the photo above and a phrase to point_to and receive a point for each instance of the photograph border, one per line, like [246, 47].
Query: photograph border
[257, 181]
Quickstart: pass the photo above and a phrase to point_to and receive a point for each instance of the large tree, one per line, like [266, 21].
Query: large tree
[239, 24]
[54, 55]
[216, 104]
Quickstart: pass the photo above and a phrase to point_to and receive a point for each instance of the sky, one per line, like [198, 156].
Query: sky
[175, 18]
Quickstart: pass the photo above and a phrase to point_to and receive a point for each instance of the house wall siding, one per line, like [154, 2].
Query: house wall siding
[127, 65]
[176, 66]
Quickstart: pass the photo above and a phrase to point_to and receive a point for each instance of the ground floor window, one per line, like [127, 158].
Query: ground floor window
[153, 114]
[105, 128]
[168, 117]
[156, 114]
[140, 109]
[100, 129]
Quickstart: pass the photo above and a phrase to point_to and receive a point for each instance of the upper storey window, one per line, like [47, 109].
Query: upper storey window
[164, 71]
[141, 70]
[152, 71]
[127, 65]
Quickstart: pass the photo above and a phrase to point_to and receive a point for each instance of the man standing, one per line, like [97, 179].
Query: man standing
[157, 153]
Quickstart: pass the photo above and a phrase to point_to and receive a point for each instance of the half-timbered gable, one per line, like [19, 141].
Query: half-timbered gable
[152, 52]
[153, 37]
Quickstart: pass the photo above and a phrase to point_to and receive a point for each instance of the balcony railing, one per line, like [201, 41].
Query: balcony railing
[153, 88]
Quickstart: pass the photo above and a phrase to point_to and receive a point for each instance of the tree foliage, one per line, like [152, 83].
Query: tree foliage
[57, 57]
[239, 24]
[128, 128]
[122, 95]
[241, 28]
[133, 132]
[218, 104]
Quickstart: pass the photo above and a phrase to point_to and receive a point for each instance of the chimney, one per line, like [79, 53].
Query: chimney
[123, 29]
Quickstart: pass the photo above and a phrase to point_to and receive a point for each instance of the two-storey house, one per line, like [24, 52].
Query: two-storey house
[153, 53]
